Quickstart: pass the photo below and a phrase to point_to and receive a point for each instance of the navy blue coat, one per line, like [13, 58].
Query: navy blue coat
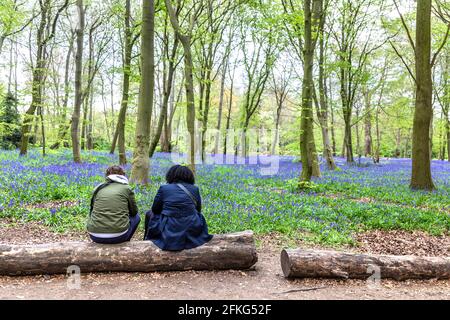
[177, 223]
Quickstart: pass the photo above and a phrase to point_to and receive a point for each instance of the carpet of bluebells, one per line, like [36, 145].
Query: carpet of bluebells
[239, 196]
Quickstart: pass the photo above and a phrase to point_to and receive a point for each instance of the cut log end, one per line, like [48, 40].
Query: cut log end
[285, 263]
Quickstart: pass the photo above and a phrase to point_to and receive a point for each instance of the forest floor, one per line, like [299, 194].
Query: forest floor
[264, 281]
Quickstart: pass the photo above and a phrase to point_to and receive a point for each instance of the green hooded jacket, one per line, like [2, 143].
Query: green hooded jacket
[111, 205]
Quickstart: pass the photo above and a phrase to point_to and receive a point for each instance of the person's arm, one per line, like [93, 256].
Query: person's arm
[132, 207]
[199, 199]
[158, 202]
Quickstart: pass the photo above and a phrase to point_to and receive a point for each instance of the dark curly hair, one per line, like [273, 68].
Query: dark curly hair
[115, 170]
[179, 173]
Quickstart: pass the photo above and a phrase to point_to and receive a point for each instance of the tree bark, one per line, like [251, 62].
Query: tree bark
[227, 251]
[310, 165]
[41, 116]
[38, 75]
[75, 127]
[421, 159]
[90, 127]
[322, 110]
[119, 134]
[166, 95]
[185, 40]
[367, 124]
[222, 92]
[228, 122]
[141, 162]
[63, 126]
[308, 263]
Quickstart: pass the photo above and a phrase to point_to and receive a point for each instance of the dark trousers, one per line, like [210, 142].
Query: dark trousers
[148, 217]
[134, 223]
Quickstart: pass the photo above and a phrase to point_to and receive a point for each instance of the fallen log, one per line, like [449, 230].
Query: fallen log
[227, 251]
[309, 263]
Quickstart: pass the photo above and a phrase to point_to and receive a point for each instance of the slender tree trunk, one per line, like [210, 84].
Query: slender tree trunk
[280, 97]
[221, 95]
[167, 138]
[358, 136]
[333, 133]
[398, 140]
[190, 117]
[185, 40]
[63, 125]
[367, 125]
[446, 106]
[376, 158]
[348, 136]
[36, 86]
[166, 95]
[421, 164]
[227, 125]
[442, 138]
[90, 127]
[41, 115]
[447, 130]
[119, 134]
[75, 128]
[322, 108]
[141, 162]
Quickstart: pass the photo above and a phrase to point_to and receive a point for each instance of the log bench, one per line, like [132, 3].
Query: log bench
[226, 251]
[308, 263]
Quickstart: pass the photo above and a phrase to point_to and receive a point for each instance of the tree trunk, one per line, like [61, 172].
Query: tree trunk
[168, 121]
[63, 127]
[185, 40]
[333, 134]
[322, 108]
[227, 125]
[75, 128]
[221, 95]
[41, 115]
[90, 127]
[310, 165]
[119, 134]
[276, 136]
[141, 162]
[348, 140]
[367, 125]
[376, 158]
[446, 106]
[166, 95]
[421, 159]
[398, 140]
[308, 263]
[36, 86]
[358, 139]
[227, 251]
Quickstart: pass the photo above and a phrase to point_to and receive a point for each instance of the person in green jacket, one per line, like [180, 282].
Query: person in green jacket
[113, 216]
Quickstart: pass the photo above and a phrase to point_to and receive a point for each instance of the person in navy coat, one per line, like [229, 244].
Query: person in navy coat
[175, 221]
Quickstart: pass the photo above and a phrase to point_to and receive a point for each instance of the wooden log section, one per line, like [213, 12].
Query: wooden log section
[227, 251]
[309, 263]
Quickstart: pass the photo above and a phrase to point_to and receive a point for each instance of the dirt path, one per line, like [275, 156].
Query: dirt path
[265, 281]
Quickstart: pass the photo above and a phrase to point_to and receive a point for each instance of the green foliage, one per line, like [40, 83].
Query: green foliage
[9, 123]
[10, 16]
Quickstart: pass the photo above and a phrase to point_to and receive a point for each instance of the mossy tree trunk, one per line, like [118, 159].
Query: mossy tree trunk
[310, 166]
